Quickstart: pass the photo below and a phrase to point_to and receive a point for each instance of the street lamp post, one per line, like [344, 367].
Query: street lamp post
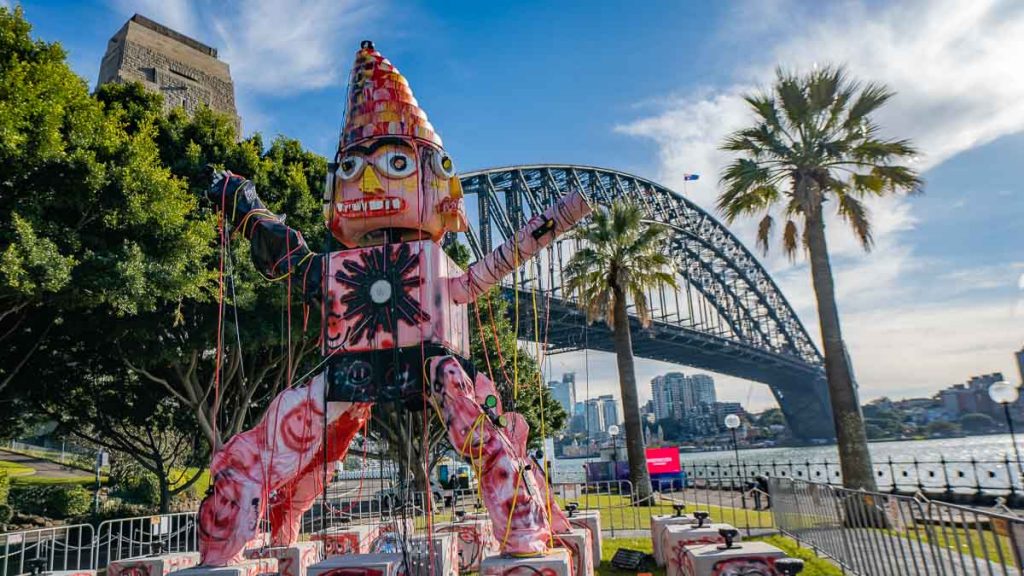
[613, 431]
[1004, 393]
[732, 422]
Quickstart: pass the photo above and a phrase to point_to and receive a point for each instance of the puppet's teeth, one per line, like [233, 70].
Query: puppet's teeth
[376, 204]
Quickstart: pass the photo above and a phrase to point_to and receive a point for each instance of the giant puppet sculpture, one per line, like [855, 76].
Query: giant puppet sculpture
[396, 326]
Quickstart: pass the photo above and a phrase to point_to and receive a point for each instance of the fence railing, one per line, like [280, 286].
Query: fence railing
[76, 547]
[727, 499]
[964, 478]
[47, 550]
[142, 536]
[877, 534]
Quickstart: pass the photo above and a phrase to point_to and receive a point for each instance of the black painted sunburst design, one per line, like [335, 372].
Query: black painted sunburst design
[397, 265]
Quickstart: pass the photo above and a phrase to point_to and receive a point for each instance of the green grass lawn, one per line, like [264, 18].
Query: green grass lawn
[201, 485]
[15, 470]
[37, 480]
[617, 512]
[972, 542]
[813, 566]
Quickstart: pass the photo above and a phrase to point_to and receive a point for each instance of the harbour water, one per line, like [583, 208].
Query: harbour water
[991, 448]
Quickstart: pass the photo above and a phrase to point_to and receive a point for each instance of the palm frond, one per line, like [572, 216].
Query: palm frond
[764, 232]
[790, 235]
[871, 98]
[854, 212]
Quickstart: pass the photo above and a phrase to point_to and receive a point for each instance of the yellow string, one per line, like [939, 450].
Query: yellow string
[512, 509]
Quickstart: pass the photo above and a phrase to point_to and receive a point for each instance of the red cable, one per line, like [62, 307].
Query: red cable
[221, 224]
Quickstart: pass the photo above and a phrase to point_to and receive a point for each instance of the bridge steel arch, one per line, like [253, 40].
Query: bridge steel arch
[735, 320]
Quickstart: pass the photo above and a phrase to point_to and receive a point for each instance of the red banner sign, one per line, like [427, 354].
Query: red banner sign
[663, 460]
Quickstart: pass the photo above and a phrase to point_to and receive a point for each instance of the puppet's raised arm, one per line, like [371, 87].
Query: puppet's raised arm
[538, 233]
[279, 252]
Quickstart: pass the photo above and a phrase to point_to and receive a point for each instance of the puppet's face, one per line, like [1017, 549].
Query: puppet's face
[394, 183]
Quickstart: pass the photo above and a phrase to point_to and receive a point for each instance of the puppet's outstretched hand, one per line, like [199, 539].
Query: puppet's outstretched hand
[233, 193]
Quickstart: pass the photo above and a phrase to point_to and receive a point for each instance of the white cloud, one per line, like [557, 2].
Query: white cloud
[274, 47]
[955, 68]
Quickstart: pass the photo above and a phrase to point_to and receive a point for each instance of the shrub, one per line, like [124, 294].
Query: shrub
[5, 488]
[5, 513]
[54, 501]
[143, 489]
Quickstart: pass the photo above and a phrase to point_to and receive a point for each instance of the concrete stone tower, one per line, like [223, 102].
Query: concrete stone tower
[186, 71]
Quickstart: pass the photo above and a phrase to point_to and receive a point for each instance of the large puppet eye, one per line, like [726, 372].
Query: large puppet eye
[443, 165]
[350, 167]
[395, 164]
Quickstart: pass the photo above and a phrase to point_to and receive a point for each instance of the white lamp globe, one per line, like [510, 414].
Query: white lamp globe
[613, 430]
[732, 421]
[1003, 392]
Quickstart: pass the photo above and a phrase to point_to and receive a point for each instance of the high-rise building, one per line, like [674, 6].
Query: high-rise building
[700, 389]
[666, 392]
[594, 416]
[676, 395]
[565, 393]
[185, 71]
[609, 410]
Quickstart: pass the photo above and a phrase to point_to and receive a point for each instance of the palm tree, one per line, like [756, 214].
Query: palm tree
[814, 141]
[622, 257]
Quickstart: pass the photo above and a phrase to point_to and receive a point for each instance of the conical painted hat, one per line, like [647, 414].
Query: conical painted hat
[380, 103]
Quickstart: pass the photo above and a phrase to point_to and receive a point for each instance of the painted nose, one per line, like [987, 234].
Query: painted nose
[370, 183]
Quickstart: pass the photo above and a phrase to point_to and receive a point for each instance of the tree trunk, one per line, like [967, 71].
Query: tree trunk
[854, 458]
[630, 403]
[165, 493]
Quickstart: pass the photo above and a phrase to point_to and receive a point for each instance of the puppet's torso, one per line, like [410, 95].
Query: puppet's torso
[387, 309]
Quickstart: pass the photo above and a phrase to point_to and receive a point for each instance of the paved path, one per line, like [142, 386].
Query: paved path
[44, 467]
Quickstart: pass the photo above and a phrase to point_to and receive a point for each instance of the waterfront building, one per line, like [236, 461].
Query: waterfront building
[700, 390]
[667, 395]
[971, 397]
[677, 396]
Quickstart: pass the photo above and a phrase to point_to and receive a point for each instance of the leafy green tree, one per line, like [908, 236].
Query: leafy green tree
[976, 422]
[942, 428]
[89, 219]
[814, 141]
[621, 260]
[770, 417]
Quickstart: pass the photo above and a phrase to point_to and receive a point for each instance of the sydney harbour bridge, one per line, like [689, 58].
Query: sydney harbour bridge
[727, 314]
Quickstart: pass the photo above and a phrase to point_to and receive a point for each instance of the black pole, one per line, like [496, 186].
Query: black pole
[736, 451]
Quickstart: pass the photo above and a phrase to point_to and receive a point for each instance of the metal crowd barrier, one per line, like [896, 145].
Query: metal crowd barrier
[145, 535]
[876, 534]
[732, 500]
[47, 550]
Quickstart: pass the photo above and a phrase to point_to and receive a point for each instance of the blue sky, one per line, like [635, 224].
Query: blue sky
[651, 88]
